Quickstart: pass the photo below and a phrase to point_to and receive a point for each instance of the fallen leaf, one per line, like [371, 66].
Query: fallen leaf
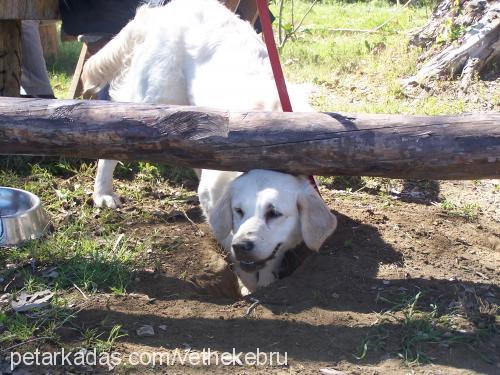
[27, 302]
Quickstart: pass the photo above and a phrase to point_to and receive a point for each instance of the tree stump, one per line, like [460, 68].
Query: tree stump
[462, 38]
[10, 57]
[11, 14]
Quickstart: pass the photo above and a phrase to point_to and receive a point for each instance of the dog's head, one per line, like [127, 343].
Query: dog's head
[267, 214]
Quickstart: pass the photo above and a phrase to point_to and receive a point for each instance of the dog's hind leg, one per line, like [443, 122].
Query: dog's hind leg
[104, 195]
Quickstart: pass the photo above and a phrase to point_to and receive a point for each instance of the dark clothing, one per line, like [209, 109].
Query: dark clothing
[103, 17]
[98, 16]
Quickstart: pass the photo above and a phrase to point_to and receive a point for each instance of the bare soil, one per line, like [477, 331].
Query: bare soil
[386, 245]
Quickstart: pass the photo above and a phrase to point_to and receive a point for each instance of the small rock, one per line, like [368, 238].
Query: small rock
[145, 331]
[331, 371]
[163, 327]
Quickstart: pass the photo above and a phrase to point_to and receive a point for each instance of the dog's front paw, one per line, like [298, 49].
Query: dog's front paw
[110, 200]
[244, 291]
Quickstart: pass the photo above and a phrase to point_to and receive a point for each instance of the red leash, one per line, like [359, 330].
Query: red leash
[279, 78]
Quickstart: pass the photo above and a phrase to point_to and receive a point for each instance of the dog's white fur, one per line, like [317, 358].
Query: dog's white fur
[274, 211]
[197, 52]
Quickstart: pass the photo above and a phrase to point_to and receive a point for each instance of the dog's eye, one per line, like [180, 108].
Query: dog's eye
[239, 211]
[273, 214]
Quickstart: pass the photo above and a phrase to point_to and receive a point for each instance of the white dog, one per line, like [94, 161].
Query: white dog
[259, 215]
[197, 52]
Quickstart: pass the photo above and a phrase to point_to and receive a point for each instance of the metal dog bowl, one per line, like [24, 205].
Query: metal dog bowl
[22, 217]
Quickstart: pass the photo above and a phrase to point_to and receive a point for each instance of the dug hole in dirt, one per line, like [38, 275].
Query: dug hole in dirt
[387, 248]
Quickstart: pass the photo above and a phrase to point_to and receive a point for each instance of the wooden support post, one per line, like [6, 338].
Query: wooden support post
[248, 11]
[11, 14]
[232, 4]
[396, 146]
[76, 88]
[10, 57]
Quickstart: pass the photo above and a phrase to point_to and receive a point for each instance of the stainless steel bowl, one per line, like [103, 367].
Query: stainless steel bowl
[22, 217]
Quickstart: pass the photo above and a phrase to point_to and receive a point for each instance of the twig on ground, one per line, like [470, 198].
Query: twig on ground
[117, 243]
[81, 291]
[198, 230]
[253, 306]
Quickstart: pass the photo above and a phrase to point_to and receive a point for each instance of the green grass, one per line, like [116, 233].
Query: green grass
[468, 211]
[354, 72]
[61, 69]
[413, 331]
[92, 339]
[89, 247]
[362, 72]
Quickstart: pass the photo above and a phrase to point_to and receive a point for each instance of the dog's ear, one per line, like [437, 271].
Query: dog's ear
[316, 221]
[220, 217]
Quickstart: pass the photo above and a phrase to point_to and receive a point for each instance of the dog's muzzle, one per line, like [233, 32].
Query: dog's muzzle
[246, 262]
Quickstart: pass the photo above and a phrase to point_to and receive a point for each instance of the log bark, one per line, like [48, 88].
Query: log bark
[396, 146]
[29, 9]
[10, 58]
[462, 40]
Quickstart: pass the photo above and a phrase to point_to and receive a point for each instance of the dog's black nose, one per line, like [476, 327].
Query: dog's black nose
[243, 246]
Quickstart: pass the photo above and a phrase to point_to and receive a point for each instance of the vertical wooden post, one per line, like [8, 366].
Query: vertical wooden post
[75, 90]
[232, 4]
[10, 57]
[248, 11]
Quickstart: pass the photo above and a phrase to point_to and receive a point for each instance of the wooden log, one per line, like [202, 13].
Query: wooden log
[467, 56]
[29, 9]
[397, 146]
[10, 58]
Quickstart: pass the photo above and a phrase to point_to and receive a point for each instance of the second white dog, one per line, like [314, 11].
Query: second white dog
[197, 52]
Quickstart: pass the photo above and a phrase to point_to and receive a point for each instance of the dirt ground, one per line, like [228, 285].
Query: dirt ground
[388, 247]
